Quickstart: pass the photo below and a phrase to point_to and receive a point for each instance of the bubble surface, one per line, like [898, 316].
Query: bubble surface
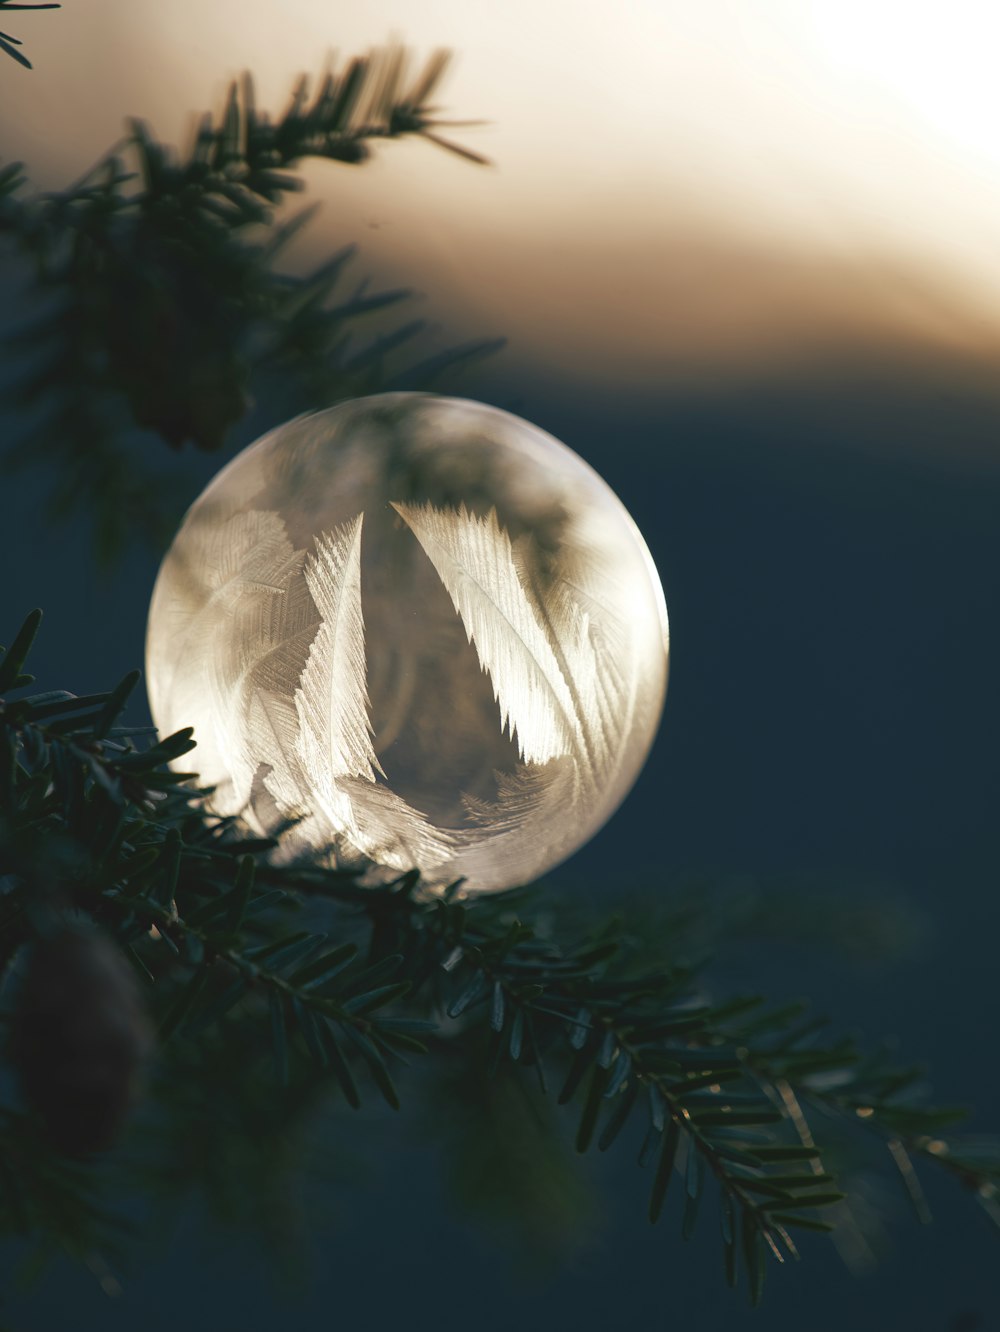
[421, 628]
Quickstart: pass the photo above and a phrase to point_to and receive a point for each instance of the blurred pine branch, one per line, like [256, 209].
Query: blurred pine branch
[159, 307]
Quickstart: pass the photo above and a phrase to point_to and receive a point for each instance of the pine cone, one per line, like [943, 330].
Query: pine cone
[80, 1038]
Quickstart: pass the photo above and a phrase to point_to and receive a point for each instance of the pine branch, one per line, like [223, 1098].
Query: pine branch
[323, 984]
[719, 1083]
[161, 305]
[11, 45]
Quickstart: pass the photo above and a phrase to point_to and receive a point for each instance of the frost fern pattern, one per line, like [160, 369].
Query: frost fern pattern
[293, 689]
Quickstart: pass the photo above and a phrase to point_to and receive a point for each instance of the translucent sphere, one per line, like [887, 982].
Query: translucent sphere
[420, 628]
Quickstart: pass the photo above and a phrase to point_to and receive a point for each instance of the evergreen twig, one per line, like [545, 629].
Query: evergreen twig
[161, 305]
[12, 45]
[336, 982]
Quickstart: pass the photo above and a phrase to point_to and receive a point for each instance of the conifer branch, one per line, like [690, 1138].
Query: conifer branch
[330, 982]
[159, 306]
[12, 45]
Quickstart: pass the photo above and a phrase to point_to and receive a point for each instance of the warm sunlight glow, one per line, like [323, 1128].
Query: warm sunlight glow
[937, 62]
[681, 187]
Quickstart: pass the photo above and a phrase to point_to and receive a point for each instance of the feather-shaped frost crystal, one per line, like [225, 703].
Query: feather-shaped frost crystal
[412, 631]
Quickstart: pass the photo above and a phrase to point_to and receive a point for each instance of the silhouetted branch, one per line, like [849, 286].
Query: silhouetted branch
[103, 845]
[12, 44]
[160, 305]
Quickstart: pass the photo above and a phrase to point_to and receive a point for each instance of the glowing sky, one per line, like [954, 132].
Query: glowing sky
[679, 184]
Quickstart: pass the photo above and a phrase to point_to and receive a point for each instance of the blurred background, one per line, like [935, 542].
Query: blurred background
[747, 260]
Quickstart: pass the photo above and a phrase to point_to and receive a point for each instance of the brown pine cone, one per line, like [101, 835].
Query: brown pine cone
[80, 1038]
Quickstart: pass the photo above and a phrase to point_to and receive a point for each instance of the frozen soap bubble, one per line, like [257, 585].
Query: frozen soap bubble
[422, 628]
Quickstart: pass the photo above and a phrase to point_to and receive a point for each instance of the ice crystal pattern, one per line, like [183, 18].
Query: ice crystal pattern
[411, 631]
[303, 734]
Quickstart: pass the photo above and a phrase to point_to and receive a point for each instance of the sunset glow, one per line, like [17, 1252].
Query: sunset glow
[687, 188]
[937, 63]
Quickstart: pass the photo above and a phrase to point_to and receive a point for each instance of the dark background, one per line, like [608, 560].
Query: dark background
[830, 552]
